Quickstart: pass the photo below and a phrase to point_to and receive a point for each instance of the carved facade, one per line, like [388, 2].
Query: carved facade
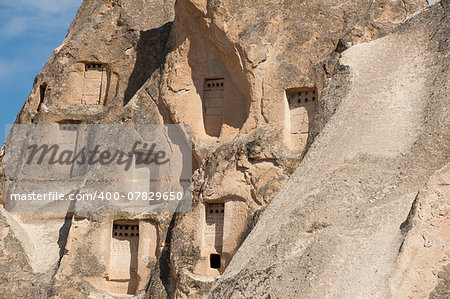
[123, 260]
[90, 84]
[213, 106]
[220, 227]
[302, 104]
[94, 84]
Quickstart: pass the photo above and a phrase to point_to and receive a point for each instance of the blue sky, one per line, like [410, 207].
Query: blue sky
[29, 31]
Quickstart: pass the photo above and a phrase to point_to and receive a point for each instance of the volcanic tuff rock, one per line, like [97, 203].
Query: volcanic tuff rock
[375, 106]
[360, 217]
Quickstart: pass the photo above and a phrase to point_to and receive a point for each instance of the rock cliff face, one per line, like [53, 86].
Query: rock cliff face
[360, 217]
[263, 84]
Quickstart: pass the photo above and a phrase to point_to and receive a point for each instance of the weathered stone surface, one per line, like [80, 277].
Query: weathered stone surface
[424, 258]
[337, 228]
[127, 37]
[260, 49]
[17, 277]
[147, 69]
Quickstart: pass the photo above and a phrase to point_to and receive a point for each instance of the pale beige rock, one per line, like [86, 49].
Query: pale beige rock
[264, 54]
[124, 62]
[121, 261]
[337, 228]
[425, 251]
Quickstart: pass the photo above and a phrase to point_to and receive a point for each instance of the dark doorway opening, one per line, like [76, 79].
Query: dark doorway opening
[214, 261]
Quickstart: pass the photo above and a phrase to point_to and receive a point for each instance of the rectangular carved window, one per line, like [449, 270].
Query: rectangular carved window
[213, 105]
[215, 213]
[94, 85]
[124, 254]
[68, 133]
[302, 106]
[214, 261]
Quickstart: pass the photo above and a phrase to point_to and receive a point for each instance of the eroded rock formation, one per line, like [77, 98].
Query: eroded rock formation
[262, 84]
[360, 217]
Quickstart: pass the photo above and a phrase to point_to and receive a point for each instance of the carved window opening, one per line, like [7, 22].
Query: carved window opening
[42, 90]
[214, 261]
[94, 66]
[222, 228]
[68, 133]
[213, 101]
[124, 254]
[95, 84]
[302, 107]
[68, 139]
[68, 127]
[215, 213]
[214, 225]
